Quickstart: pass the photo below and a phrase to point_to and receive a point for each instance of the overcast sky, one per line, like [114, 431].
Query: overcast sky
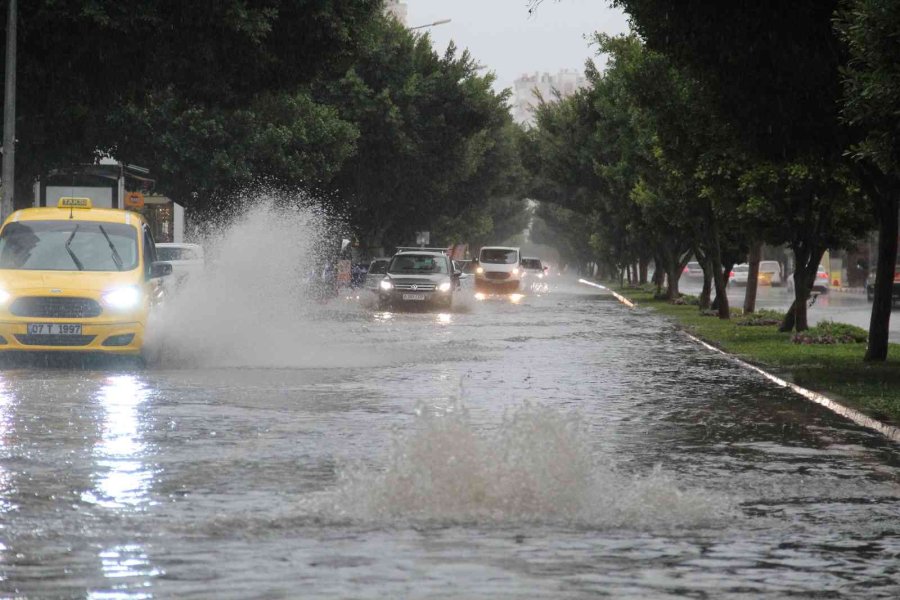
[502, 35]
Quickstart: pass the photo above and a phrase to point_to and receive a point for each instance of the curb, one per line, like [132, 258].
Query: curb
[889, 431]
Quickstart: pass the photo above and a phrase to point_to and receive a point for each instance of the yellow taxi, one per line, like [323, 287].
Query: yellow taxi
[77, 279]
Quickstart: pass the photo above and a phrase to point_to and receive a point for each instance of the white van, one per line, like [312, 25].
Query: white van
[499, 269]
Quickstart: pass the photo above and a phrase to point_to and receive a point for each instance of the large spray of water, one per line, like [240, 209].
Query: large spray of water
[536, 467]
[251, 306]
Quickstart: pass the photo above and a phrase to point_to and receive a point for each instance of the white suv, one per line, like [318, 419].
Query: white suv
[499, 269]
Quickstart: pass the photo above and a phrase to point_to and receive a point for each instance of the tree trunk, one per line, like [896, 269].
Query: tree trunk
[672, 275]
[804, 275]
[720, 278]
[706, 292]
[642, 270]
[880, 321]
[752, 278]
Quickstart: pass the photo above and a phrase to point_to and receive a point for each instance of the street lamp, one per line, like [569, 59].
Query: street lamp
[441, 22]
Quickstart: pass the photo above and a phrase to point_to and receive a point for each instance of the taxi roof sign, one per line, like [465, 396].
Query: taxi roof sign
[70, 202]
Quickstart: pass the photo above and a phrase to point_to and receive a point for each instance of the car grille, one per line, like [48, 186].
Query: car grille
[54, 340]
[414, 287]
[496, 275]
[55, 307]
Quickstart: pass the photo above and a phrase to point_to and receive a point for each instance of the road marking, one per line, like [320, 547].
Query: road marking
[619, 297]
[888, 431]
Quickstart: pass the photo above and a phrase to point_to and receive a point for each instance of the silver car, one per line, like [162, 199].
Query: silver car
[377, 271]
[422, 278]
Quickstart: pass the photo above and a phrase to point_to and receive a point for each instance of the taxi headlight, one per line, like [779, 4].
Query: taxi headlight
[4, 296]
[445, 287]
[386, 284]
[479, 270]
[123, 298]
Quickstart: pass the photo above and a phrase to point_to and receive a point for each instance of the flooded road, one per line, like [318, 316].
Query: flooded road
[560, 447]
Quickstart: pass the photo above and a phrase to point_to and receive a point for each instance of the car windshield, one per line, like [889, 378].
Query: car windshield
[769, 266]
[741, 269]
[378, 267]
[424, 264]
[693, 265]
[68, 246]
[177, 253]
[531, 263]
[499, 257]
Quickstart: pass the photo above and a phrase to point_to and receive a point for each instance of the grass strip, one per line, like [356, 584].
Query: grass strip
[835, 370]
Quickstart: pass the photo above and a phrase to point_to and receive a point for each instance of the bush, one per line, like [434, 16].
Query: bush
[686, 300]
[829, 332]
[762, 318]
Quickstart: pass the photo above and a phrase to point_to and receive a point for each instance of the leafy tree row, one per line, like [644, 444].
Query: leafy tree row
[715, 128]
[332, 100]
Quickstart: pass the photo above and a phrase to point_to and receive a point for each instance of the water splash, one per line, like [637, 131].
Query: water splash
[251, 306]
[536, 467]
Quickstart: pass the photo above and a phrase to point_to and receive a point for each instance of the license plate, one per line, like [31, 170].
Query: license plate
[413, 296]
[54, 329]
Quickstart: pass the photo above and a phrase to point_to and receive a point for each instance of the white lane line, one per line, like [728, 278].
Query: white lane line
[619, 297]
[888, 431]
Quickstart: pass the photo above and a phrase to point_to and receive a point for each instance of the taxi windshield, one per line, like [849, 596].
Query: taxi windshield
[424, 264]
[68, 246]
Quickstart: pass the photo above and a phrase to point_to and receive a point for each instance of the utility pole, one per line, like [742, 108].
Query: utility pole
[9, 115]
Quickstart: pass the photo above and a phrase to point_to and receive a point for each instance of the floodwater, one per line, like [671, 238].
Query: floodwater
[560, 447]
[556, 446]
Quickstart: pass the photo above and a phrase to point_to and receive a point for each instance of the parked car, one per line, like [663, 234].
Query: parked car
[822, 283]
[739, 274]
[186, 260]
[870, 287]
[770, 273]
[693, 270]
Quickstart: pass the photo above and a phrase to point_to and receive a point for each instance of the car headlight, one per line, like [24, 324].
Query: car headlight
[4, 296]
[479, 270]
[386, 284]
[516, 271]
[445, 287]
[122, 298]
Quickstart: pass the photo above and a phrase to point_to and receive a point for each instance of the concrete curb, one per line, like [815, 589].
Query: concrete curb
[888, 431]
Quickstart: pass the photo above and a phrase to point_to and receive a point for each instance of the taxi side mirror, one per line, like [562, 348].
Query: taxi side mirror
[160, 269]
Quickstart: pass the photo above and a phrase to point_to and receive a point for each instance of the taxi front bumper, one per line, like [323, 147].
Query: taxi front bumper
[109, 338]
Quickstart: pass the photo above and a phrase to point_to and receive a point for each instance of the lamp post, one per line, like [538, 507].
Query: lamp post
[9, 115]
[440, 22]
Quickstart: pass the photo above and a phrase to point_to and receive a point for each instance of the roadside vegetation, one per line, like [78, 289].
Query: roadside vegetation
[333, 103]
[714, 129]
[826, 359]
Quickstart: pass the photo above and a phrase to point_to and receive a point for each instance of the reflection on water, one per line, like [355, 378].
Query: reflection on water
[120, 562]
[126, 481]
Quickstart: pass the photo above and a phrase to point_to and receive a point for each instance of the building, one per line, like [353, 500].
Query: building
[397, 9]
[529, 89]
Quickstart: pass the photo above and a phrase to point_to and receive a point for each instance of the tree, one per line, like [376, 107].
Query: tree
[87, 68]
[871, 102]
[433, 136]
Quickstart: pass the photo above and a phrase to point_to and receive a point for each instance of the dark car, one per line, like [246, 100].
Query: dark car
[870, 287]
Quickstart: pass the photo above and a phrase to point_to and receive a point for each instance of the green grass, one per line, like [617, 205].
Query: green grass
[836, 370]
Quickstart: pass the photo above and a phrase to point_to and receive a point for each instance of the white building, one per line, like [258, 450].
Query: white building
[530, 88]
[397, 9]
